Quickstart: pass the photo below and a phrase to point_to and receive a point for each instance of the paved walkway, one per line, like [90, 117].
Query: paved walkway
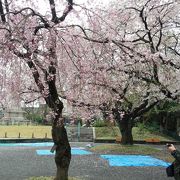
[19, 163]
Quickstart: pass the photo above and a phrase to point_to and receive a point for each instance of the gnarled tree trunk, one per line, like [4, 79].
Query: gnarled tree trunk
[63, 151]
[125, 127]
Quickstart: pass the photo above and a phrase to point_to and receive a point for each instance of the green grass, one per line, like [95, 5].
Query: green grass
[106, 132]
[101, 132]
[125, 149]
[40, 178]
[138, 135]
[112, 132]
[25, 131]
[49, 178]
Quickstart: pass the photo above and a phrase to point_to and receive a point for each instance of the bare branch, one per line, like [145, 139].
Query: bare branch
[56, 19]
[160, 34]
[6, 6]
[2, 12]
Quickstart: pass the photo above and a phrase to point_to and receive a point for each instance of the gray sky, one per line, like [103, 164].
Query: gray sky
[91, 3]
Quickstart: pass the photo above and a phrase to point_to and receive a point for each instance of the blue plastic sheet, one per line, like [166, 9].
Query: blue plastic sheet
[133, 160]
[45, 144]
[74, 151]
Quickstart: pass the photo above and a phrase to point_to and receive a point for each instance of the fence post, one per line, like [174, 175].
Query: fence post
[45, 135]
[5, 135]
[78, 130]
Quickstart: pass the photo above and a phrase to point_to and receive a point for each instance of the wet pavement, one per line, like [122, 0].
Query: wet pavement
[22, 162]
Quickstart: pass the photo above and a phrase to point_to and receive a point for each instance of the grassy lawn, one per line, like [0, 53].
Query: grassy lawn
[134, 149]
[101, 132]
[125, 149]
[25, 131]
[112, 132]
[49, 178]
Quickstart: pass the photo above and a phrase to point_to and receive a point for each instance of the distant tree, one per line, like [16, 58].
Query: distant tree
[132, 51]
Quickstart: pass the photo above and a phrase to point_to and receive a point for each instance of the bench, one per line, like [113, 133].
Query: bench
[152, 140]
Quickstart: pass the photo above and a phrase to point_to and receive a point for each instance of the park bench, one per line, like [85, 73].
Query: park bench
[152, 140]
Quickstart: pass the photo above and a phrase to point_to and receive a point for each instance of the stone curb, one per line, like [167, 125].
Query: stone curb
[34, 140]
[137, 142]
[37, 140]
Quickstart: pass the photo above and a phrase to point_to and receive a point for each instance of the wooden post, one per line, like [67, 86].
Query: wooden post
[5, 135]
[45, 135]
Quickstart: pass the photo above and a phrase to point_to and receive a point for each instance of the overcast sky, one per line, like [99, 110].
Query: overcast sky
[43, 6]
[91, 3]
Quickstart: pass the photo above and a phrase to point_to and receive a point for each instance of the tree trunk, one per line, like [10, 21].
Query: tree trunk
[63, 152]
[125, 126]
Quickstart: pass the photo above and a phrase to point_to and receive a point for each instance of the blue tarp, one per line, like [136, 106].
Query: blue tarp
[74, 151]
[45, 144]
[133, 160]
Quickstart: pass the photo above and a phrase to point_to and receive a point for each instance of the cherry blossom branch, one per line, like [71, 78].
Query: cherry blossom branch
[33, 100]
